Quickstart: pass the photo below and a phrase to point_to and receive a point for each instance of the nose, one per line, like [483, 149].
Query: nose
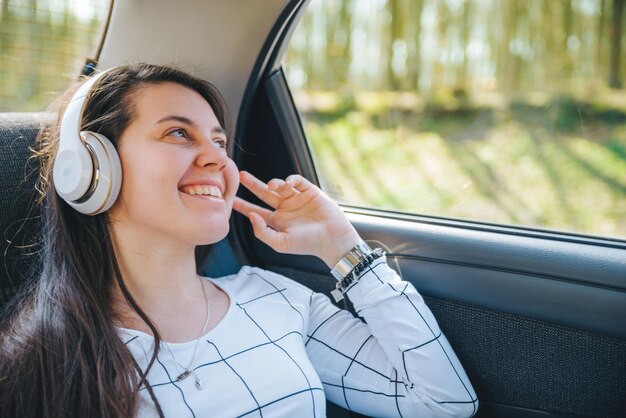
[211, 155]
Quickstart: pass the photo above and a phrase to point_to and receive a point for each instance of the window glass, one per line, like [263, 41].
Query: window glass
[43, 46]
[505, 111]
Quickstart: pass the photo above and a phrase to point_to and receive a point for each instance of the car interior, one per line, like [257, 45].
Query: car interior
[537, 317]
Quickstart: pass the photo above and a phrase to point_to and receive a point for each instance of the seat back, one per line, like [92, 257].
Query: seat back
[19, 213]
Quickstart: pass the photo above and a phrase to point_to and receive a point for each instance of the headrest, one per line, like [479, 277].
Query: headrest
[19, 215]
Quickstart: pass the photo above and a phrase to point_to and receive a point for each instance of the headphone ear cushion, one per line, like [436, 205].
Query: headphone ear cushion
[107, 173]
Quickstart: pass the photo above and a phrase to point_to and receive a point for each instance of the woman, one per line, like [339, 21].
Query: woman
[119, 324]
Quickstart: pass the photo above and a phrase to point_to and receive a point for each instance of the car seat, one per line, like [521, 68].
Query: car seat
[20, 224]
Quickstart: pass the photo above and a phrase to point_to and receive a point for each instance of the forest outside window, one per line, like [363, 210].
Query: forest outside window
[504, 112]
[43, 44]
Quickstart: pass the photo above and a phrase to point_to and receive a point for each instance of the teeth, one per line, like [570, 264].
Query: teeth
[212, 191]
[215, 191]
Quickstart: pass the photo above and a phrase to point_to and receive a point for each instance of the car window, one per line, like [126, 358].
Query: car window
[43, 45]
[504, 112]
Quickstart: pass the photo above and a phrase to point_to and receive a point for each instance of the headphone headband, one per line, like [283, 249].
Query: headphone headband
[73, 115]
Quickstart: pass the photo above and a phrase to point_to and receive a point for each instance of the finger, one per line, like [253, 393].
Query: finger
[299, 183]
[275, 184]
[269, 236]
[282, 187]
[244, 207]
[259, 189]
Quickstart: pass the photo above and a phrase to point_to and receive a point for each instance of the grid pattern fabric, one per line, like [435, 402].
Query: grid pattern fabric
[282, 349]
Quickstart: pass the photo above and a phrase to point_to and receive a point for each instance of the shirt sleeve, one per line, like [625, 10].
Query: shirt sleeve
[398, 363]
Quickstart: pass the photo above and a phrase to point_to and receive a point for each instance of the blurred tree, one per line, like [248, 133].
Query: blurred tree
[600, 33]
[616, 49]
[413, 43]
[505, 65]
[394, 39]
[338, 41]
[466, 16]
[567, 65]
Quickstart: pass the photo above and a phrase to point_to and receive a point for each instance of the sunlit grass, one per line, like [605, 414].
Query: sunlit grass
[486, 166]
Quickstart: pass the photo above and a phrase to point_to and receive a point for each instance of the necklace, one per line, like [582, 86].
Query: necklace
[186, 371]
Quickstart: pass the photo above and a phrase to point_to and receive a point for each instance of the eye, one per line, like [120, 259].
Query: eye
[221, 142]
[178, 133]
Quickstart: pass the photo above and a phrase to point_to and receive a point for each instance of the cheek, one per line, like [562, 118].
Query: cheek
[147, 178]
[231, 173]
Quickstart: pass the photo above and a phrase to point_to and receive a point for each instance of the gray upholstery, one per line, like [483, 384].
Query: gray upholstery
[19, 215]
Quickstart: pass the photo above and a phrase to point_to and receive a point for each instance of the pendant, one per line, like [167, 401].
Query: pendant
[198, 382]
[183, 376]
[186, 374]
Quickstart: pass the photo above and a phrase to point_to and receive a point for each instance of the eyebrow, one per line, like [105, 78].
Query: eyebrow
[187, 121]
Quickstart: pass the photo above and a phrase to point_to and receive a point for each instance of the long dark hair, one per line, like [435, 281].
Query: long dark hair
[60, 353]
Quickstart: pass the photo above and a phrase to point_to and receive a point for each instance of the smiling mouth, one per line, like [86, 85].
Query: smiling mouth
[203, 190]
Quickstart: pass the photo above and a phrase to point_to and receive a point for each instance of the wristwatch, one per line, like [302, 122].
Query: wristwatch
[351, 260]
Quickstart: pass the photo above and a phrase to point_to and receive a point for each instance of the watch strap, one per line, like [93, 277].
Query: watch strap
[349, 261]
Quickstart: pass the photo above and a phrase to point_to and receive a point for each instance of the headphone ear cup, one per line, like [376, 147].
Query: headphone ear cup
[73, 171]
[107, 175]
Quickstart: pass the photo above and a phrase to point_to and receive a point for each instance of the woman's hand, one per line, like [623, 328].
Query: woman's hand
[304, 219]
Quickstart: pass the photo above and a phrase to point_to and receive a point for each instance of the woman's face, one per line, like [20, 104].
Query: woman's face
[178, 182]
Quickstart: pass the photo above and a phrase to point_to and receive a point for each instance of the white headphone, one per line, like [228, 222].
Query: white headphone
[87, 171]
